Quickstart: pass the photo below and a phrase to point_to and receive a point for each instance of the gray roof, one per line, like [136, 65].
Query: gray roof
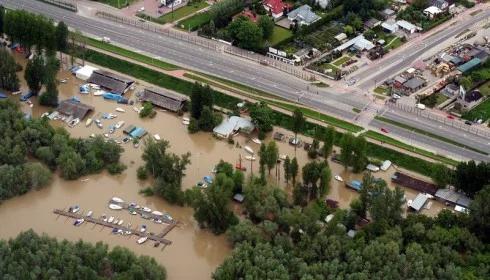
[111, 82]
[164, 99]
[388, 12]
[233, 124]
[358, 42]
[453, 197]
[418, 202]
[73, 108]
[414, 83]
[303, 14]
[239, 197]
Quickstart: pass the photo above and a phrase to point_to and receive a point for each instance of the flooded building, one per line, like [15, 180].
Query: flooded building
[74, 108]
[418, 202]
[110, 82]
[413, 183]
[164, 99]
[233, 125]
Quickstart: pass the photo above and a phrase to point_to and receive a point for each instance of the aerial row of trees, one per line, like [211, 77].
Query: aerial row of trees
[30, 256]
[202, 115]
[8, 71]
[21, 138]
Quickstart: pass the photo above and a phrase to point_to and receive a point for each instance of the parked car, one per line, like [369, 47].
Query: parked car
[468, 122]
[450, 117]
[384, 130]
[420, 106]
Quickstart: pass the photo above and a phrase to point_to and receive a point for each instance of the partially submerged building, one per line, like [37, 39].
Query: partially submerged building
[110, 82]
[76, 109]
[413, 183]
[233, 125]
[164, 99]
[452, 197]
[418, 202]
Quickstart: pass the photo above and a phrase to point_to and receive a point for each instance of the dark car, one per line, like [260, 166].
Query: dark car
[26, 96]
[468, 122]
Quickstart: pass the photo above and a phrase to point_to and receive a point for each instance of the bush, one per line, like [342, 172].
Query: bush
[142, 173]
[147, 110]
[116, 168]
[193, 126]
[148, 191]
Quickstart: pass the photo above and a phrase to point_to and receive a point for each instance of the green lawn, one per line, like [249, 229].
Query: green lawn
[341, 61]
[195, 21]
[279, 35]
[130, 54]
[381, 90]
[485, 89]
[390, 45]
[432, 135]
[482, 111]
[182, 12]
[388, 140]
[117, 3]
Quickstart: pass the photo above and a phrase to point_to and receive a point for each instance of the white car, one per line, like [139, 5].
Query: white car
[142, 9]
[106, 39]
[420, 106]
[396, 96]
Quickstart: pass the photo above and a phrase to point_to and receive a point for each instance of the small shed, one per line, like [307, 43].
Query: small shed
[137, 133]
[469, 65]
[418, 202]
[340, 37]
[386, 164]
[164, 99]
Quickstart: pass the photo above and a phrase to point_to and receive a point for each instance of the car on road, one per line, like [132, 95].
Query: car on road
[384, 130]
[420, 106]
[396, 96]
[450, 117]
[468, 123]
[106, 39]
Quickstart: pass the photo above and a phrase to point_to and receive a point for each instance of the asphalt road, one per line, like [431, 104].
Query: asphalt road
[233, 68]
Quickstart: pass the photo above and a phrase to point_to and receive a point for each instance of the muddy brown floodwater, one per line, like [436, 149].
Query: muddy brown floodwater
[194, 253]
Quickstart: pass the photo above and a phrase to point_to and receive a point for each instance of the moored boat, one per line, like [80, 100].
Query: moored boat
[256, 141]
[115, 207]
[251, 158]
[88, 122]
[111, 219]
[142, 240]
[117, 199]
[89, 213]
[120, 110]
[249, 150]
[120, 222]
[143, 228]
[338, 178]
[119, 124]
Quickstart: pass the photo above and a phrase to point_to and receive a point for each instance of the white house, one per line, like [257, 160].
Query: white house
[432, 11]
[407, 26]
[303, 15]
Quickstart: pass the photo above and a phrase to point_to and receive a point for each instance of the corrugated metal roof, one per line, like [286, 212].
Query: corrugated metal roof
[418, 202]
[469, 65]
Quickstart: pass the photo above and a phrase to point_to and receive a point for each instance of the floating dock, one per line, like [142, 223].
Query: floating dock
[154, 237]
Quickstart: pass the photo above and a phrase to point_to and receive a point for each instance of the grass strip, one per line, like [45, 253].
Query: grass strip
[429, 134]
[229, 102]
[388, 140]
[131, 54]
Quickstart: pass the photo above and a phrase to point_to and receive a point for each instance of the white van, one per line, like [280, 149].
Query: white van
[420, 106]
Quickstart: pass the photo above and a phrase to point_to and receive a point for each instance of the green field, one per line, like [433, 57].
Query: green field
[130, 54]
[280, 35]
[482, 111]
[341, 61]
[182, 12]
[381, 90]
[393, 44]
[388, 140]
[194, 22]
[429, 134]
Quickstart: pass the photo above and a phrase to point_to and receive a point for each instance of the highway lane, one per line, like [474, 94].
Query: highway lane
[209, 61]
[438, 146]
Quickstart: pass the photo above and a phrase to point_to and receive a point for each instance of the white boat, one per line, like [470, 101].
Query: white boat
[156, 136]
[248, 149]
[79, 222]
[74, 122]
[92, 135]
[136, 109]
[45, 114]
[186, 119]
[143, 228]
[338, 178]
[251, 158]
[120, 110]
[88, 122]
[283, 157]
[110, 219]
[106, 135]
[157, 213]
[146, 209]
[119, 124]
[142, 240]
[117, 199]
[99, 92]
[256, 141]
[115, 207]
[116, 220]
[84, 180]
[120, 222]
[184, 122]
[94, 86]
[74, 209]
[89, 214]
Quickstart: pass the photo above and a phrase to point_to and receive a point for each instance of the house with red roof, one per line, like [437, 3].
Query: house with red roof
[276, 7]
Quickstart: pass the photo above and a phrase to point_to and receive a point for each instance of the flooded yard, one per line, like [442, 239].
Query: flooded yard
[194, 253]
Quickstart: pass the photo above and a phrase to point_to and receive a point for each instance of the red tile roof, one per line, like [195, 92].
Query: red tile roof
[276, 6]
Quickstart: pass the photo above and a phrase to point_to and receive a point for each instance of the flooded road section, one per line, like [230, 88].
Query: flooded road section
[194, 253]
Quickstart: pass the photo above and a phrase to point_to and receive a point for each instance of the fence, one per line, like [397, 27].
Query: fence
[163, 31]
[441, 119]
[65, 4]
[208, 43]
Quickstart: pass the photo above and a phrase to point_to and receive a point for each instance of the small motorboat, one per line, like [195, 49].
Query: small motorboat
[88, 122]
[94, 86]
[92, 135]
[146, 209]
[74, 122]
[249, 150]
[64, 81]
[136, 109]
[119, 124]
[157, 213]
[104, 217]
[78, 222]
[208, 179]
[136, 145]
[283, 157]
[116, 220]
[156, 244]
[184, 122]
[99, 92]
[111, 219]
[115, 207]
[45, 114]
[106, 135]
[186, 119]
[338, 178]
[117, 199]
[114, 230]
[132, 212]
[201, 185]
[121, 110]
[120, 222]
[74, 209]
[111, 130]
[256, 141]
[251, 158]
[143, 228]
[157, 137]
[142, 240]
[168, 217]
[89, 213]
[158, 221]
[84, 180]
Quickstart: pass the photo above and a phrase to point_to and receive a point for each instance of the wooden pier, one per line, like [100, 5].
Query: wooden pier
[154, 237]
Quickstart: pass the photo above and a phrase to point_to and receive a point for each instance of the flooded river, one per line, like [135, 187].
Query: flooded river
[195, 253]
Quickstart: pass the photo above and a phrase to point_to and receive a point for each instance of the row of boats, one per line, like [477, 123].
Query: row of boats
[112, 220]
[147, 213]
